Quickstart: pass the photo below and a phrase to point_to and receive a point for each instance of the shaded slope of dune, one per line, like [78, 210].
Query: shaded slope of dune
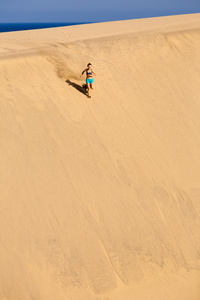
[100, 197]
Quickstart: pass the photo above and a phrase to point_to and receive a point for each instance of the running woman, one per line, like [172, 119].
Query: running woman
[89, 78]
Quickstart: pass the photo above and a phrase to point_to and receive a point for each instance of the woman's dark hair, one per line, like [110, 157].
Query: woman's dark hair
[89, 64]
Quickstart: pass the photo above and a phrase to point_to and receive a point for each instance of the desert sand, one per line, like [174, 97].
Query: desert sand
[100, 197]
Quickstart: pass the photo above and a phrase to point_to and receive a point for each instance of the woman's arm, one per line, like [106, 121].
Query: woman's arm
[83, 72]
[94, 73]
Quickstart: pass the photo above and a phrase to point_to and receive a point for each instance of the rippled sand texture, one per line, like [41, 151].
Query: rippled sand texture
[100, 197]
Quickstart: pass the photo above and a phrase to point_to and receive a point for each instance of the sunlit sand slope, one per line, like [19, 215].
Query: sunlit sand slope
[100, 197]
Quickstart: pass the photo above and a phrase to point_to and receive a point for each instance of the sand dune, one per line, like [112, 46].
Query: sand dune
[100, 197]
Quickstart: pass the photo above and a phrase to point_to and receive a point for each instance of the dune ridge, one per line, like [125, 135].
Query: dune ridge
[100, 197]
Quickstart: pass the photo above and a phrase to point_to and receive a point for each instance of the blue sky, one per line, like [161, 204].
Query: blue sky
[91, 10]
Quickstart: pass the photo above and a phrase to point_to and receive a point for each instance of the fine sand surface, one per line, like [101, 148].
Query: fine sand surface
[100, 197]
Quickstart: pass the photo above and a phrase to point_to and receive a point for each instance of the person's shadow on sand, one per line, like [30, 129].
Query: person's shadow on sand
[78, 87]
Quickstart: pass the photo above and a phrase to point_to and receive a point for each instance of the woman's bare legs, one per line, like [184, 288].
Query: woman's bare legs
[88, 88]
